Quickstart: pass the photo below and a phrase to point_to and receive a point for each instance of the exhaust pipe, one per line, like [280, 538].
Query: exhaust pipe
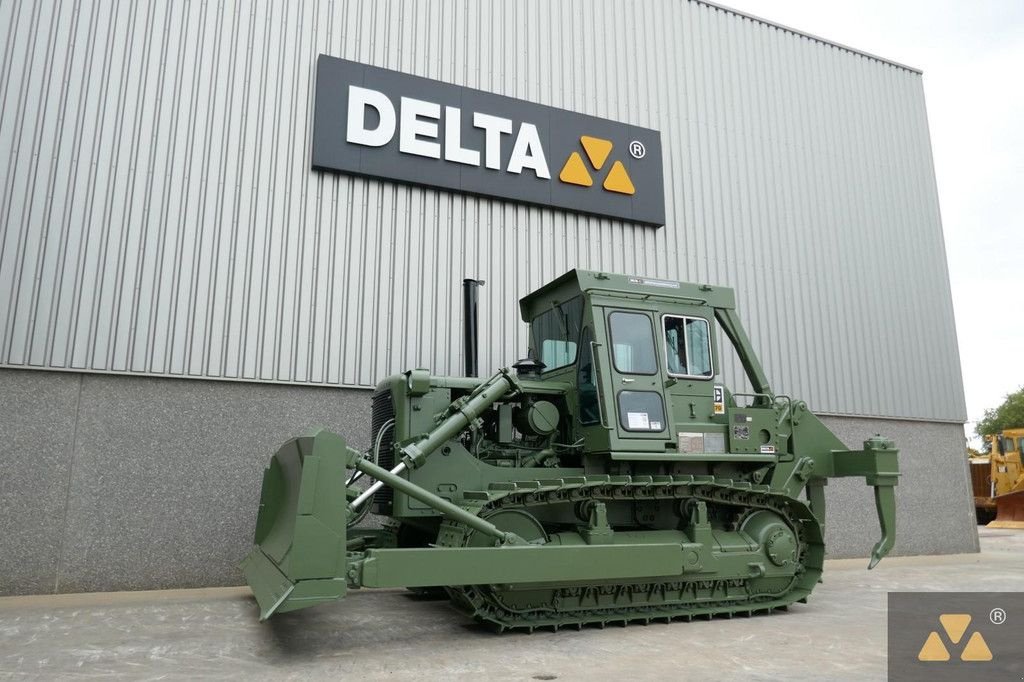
[470, 296]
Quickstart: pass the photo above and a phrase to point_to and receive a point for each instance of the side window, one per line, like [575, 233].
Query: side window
[688, 347]
[632, 343]
[586, 382]
[1020, 445]
[554, 333]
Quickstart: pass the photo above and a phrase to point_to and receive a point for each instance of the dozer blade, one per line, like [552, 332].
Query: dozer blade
[299, 557]
[1009, 511]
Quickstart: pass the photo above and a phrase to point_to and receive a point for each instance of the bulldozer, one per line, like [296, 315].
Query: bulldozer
[998, 480]
[607, 477]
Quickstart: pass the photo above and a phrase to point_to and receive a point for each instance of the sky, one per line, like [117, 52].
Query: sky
[972, 56]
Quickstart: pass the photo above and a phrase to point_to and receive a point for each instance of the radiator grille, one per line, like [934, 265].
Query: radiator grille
[381, 411]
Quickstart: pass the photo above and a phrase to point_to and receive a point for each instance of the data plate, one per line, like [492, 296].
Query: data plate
[714, 443]
[690, 443]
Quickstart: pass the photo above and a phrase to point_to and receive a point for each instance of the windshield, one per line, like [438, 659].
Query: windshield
[554, 334]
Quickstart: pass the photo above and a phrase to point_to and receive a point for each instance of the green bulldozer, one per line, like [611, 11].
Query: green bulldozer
[608, 477]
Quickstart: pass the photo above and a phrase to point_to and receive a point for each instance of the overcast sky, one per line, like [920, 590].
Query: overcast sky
[972, 55]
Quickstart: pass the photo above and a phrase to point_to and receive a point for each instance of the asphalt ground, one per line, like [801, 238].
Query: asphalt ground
[391, 634]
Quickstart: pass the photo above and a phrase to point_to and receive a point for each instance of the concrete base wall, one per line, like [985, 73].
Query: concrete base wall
[934, 503]
[129, 483]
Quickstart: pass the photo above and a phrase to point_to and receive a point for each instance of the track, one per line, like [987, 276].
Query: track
[686, 596]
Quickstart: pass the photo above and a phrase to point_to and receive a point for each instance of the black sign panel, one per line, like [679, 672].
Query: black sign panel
[380, 123]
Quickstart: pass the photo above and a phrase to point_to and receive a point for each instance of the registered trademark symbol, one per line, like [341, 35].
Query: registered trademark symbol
[637, 149]
[997, 616]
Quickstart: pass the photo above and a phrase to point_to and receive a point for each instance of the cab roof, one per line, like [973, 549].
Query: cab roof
[627, 286]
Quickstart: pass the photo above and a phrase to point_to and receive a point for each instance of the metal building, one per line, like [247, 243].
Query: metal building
[180, 290]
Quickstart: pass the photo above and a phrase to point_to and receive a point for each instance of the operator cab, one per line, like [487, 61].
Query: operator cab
[641, 355]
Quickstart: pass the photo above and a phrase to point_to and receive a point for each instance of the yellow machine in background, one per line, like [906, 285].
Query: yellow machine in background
[998, 480]
[980, 465]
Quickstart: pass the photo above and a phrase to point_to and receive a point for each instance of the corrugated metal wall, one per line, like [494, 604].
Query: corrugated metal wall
[159, 214]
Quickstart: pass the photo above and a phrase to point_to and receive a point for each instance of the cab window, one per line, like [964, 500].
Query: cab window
[641, 411]
[555, 333]
[586, 382]
[632, 343]
[688, 347]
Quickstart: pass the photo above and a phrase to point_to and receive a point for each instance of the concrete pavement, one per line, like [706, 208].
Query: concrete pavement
[389, 634]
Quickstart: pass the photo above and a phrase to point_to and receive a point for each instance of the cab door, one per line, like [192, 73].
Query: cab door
[696, 403]
[636, 400]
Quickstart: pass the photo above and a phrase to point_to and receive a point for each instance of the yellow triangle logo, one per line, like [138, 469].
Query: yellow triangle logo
[955, 625]
[574, 172]
[597, 150]
[933, 649]
[618, 180]
[976, 649]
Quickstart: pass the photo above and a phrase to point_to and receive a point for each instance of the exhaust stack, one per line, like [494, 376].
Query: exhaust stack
[470, 296]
